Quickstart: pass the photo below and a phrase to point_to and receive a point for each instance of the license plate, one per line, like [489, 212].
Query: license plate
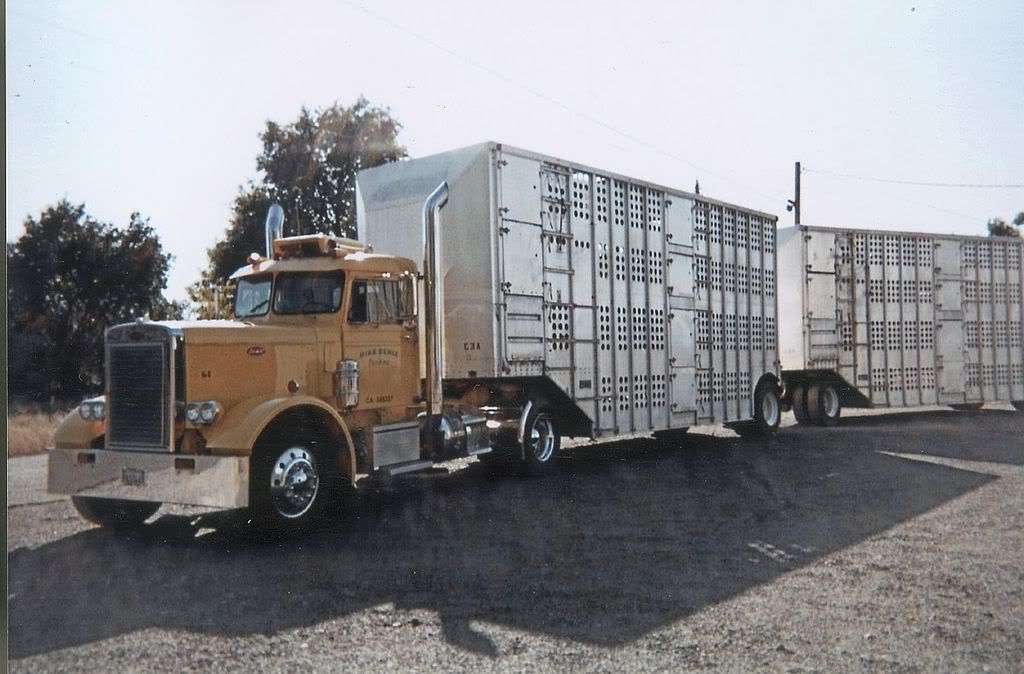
[133, 477]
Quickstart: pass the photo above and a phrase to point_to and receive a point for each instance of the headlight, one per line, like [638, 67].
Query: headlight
[203, 412]
[93, 410]
[208, 412]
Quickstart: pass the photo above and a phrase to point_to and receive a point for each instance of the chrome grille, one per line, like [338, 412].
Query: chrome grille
[138, 396]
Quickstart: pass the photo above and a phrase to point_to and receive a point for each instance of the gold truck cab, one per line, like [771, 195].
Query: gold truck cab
[320, 360]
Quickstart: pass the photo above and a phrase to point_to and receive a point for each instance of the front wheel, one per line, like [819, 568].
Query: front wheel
[114, 513]
[766, 412]
[288, 485]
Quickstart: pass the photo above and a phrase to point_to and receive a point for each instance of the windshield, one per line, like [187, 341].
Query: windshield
[252, 297]
[308, 293]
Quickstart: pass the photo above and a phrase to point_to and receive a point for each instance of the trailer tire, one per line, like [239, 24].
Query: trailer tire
[289, 484]
[823, 404]
[1018, 405]
[114, 513]
[541, 443]
[798, 399]
[967, 407]
[767, 412]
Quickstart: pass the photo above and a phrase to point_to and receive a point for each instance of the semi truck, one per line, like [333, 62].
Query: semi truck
[553, 300]
[898, 319]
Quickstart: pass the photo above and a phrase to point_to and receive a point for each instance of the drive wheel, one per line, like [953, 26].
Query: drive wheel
[799, 402]
[767, 411]
[541, 443]
[114, 513]
[968, 407]
[288, 485]
[823, 404]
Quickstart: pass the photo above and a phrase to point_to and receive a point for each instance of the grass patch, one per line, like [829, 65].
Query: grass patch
[29, 431]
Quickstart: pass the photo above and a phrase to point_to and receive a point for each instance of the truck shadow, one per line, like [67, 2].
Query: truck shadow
[945, 433]
[621, 539]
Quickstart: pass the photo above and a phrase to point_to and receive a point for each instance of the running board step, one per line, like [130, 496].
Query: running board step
[408, 467]
[479, 451]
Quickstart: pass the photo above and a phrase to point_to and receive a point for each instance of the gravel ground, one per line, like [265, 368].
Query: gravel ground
[893, 543]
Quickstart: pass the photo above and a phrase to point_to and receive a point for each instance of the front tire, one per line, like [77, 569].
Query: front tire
[823, 404]
[113, 513]
[288, 485]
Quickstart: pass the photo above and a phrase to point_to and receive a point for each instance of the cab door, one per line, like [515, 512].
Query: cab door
[380, 334]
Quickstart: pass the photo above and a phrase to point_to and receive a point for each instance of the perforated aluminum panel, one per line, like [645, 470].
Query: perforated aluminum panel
[599, 282]
[919, 318]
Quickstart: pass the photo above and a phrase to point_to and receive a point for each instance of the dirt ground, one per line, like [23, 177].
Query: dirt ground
[894, 543]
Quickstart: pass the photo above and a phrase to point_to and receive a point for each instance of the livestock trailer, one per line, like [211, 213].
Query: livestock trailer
[898, 319]
[628, 306]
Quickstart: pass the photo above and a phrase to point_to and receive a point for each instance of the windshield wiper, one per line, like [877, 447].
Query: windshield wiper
[252, 310]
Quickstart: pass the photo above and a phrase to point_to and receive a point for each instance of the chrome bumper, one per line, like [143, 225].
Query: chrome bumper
[183, 479]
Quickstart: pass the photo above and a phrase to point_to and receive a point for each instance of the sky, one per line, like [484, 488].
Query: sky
[157, 107]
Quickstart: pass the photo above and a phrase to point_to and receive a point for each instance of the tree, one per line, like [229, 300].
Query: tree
[309, 167]
[999, 227]
[69, 278]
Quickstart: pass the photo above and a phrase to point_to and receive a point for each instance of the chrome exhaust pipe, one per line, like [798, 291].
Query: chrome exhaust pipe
[432, 297]
[274, 227]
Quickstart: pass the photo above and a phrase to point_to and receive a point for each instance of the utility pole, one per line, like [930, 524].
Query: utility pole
[796, 197]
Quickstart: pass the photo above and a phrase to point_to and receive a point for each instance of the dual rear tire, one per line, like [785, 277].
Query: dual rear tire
[816, 404]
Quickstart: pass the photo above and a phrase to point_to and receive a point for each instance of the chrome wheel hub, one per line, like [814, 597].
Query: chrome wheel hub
[294, 482]
[831, 401]
[770, 409]
[542, 439]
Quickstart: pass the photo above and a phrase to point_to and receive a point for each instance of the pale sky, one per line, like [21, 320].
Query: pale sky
[157, 107]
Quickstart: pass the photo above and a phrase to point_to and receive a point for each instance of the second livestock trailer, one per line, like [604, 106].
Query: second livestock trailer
[898, 319]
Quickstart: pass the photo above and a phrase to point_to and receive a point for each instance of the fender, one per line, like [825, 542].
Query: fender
[74, 432]
[241, 426]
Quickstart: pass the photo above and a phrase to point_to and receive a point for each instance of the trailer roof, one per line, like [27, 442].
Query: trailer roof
[891, 232]
[430, 170]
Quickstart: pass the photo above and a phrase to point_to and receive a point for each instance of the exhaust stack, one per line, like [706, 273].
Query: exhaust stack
[432, 296]
[274, 227]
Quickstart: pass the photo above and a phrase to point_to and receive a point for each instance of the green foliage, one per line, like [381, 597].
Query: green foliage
[69, 278]
[309, 167]
[999, 227]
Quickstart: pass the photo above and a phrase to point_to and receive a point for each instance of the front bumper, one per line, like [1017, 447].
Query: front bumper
[183, 479]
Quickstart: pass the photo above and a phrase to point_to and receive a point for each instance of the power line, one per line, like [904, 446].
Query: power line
[917, 183]
[548, 99]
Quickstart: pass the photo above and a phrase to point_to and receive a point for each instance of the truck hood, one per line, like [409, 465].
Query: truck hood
[231, 361]
[236, 332]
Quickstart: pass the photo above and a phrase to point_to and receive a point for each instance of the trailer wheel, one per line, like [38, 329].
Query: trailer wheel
[288, 485]
[823, 404]
[114, 513]
[968, 407]
[799, 401]
[541, 443]
[767, 412]
[1018, 405]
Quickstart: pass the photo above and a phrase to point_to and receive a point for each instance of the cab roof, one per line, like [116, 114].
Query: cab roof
[319, 252]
